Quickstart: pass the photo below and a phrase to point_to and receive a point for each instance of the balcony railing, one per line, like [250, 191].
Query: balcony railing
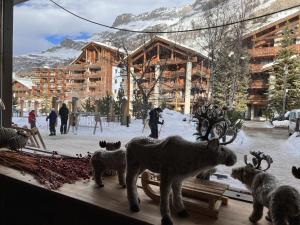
[270, 51]
[75, 85]
[75, 76]
[256, 68]
[257, 99]
[256, 84]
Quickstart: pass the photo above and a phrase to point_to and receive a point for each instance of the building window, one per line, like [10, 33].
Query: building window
[115, 91]
[116, 70]
[116, 81]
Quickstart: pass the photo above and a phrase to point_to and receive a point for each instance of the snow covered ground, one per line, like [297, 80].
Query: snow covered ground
[285, 153]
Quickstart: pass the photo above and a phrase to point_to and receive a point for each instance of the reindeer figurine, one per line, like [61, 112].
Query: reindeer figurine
[212, 123]
[12, 139]
[175, 159]
[103, 161]
[283, 201]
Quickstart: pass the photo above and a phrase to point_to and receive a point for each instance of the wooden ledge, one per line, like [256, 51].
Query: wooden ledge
[24, 201]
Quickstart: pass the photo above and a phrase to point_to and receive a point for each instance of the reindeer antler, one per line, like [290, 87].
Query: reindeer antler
[296, 172]
[258, 158]
[102, 144]
[212, 118]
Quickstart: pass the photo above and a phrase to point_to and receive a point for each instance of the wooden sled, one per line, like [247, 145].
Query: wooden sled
[35, 139]
[201, 196]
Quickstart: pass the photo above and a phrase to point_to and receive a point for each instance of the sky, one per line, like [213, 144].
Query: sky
[39, 24]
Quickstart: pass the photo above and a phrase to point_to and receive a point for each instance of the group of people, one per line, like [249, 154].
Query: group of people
[64, 117]
[63, 113]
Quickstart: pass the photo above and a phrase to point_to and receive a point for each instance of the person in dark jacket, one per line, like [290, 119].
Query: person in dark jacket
[32, 119]
[154, 121]
[64, 114]
[52, 117]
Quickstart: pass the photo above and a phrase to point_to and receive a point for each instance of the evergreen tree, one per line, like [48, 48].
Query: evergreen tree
[284, 81]
[231, 76]
[88, 105]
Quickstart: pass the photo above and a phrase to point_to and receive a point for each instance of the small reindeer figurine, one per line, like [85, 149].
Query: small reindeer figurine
[283, 201]
[108, 161]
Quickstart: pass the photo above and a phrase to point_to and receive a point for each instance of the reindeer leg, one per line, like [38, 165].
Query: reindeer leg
[177, 198]
[132, 173]
[121, 177]
[165, 188]
[98, 173]
[278, 214]
[257, 212]
[294, 220]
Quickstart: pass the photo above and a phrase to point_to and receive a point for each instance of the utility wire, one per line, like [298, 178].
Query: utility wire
[170, 32]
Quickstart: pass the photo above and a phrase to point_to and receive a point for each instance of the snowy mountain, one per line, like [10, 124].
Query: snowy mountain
[175, 18]
[52, 57]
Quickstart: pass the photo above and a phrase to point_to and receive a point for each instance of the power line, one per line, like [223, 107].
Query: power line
[170, 32]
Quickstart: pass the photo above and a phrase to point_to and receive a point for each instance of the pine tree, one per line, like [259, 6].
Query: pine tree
[284, 82]
[231, 76]
[88, 105]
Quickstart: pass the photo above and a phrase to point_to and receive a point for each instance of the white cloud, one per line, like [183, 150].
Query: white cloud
[36, 19]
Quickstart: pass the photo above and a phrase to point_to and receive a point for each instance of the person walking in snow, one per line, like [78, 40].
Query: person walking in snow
[52, 117]
[154, 121]
[64, 114]
[32, 119]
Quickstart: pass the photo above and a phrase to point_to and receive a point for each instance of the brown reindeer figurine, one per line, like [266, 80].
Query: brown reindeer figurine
[283, 201]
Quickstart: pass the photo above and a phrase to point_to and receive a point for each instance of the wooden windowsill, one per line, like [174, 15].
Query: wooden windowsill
[113, 198]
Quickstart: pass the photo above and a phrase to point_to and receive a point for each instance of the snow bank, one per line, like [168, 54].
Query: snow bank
[281, 124]
[294, 141]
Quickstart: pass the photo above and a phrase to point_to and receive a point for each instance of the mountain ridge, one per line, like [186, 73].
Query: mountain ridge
[173, 18]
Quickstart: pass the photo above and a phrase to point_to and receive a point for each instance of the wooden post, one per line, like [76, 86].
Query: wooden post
[6, 41]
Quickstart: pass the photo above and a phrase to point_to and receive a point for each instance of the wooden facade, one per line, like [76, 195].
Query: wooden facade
[263, 46]
[90, 75]
[172, 60]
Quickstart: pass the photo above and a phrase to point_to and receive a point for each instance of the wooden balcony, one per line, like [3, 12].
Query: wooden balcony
[76, 67]
[75, 77]
[257, 99]
[94, 84]
[270, 51]
[93, 75]
[256, 68]
[259, 84]
[75, 85]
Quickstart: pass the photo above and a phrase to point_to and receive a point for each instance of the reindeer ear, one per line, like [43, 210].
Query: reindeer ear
[213, 144]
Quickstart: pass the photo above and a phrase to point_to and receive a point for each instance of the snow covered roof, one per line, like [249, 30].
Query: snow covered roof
[111, 47]
[273, 20]
[24, 81]
[164, 39]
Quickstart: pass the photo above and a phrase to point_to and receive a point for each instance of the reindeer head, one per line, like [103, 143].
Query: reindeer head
[246, 173]
[223, 154]
[212, 122]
